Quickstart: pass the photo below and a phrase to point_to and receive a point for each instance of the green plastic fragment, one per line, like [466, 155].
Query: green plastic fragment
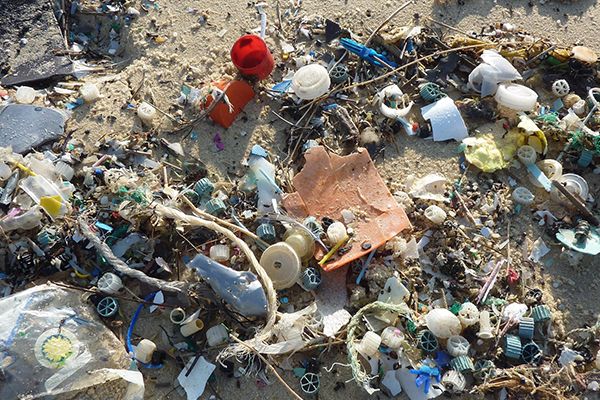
[455, 308]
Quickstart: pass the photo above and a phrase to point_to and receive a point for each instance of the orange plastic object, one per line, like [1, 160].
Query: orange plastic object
[239, 94]
[329, 183]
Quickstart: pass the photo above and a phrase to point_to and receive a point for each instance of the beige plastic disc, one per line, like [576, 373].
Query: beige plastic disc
[282, 264]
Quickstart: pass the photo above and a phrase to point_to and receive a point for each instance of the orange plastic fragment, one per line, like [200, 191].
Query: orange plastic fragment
[239, 94]
[329, 183]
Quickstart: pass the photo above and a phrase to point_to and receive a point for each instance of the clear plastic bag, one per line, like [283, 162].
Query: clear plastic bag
[51, 342]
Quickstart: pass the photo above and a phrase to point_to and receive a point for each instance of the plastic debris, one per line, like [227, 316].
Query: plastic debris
[312, 185]
[446, 121]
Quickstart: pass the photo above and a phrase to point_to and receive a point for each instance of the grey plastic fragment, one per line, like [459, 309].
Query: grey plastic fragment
[240, 289]
[24, 126]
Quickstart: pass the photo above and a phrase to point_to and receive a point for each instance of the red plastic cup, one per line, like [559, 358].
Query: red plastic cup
[251, 57]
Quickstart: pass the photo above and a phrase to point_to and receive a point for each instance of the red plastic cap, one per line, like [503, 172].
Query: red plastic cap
[251, 57]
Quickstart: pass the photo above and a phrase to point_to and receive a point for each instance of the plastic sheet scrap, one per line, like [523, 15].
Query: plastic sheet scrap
[51, 343]
[194, 381]
[591, 244]
[329, 184]
[446, 121]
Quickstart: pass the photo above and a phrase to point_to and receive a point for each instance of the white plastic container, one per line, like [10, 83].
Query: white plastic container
[146, 113]
[442, 323]
[216, 335]
[369, 344]
[109, 283]
[311, 81]
[282, 264]
[144, 350]
[336, 232]
[516, 97]
[435, 214]
[191, 327]
[89, 92]
[25, 95]
[219, 253]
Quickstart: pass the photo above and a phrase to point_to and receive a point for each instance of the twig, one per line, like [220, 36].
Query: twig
[393, 72]
[448, 26]
[148, 303]
[576, 203]
[271, 367]
[120, 265]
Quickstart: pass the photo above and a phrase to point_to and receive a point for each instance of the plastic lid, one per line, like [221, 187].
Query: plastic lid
[311, 81]
[516, 97]
[282, 264]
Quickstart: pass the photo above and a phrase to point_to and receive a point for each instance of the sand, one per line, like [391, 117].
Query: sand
[195, 54]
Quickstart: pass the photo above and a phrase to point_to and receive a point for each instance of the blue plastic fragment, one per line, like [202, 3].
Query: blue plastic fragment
[258, 150]
[366, 53]
[282, 86]
[539, 176]
[74, 104]
[424, 375]
[103, 226]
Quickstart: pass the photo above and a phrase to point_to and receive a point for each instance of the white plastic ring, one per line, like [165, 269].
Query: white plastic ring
[523, 196]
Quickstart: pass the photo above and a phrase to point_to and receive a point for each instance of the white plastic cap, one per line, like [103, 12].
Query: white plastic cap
[311, 81]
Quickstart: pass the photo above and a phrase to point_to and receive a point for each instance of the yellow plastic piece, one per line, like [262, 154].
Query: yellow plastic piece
[52, 204]
[485, 153]
[532, 135]
[333, 250]
[25, 169]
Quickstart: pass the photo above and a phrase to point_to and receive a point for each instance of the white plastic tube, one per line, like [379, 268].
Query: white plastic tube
[177, 315]
[219, 253]
[485, 328]
[191, 327]
[369, 344]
